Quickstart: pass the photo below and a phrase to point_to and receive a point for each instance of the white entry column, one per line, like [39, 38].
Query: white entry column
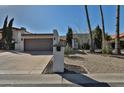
[58, 64]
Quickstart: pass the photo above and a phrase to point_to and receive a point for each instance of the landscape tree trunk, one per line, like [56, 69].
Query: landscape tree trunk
[117, 39]
[103, 28]
[90, 32]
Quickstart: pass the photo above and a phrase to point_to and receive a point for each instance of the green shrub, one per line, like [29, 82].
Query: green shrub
[104, 50]
[68, 50]
[86, 46]
[107, 49]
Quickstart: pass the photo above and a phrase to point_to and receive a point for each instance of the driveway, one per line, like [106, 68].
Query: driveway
[23, 63]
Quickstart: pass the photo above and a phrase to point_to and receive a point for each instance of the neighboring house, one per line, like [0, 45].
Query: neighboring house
[75, 43]
[121, 36]
[80, 39]
[26, 41]
[63, 39]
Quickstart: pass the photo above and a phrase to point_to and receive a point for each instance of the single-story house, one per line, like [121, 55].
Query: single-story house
[74, 42]
[26, 41]
[121, 36]
[63, 40]
[81, 39]
[78, 41]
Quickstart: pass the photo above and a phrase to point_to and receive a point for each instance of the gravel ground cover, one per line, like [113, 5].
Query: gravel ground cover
[97, 63]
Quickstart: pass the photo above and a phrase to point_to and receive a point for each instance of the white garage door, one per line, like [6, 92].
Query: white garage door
[44, 44]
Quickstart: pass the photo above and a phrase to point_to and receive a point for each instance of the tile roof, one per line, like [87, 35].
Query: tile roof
[121, 36]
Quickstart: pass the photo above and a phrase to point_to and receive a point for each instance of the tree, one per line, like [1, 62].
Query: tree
[69, 36]
[90, 32]
[4, 28]
[4, 32]
[117, 40]
[7, 33]
[108, 37]
[103, 28]
[97, 36]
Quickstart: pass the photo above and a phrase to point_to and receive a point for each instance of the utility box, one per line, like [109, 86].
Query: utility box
[58, 64]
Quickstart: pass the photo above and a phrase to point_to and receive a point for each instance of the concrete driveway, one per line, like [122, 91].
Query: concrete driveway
[23, 63]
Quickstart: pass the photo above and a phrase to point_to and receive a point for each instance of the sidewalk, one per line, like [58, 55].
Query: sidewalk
[62, 80]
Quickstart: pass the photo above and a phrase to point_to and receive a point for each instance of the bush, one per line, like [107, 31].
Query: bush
[107, 49]
[68, 50]
[86, 46]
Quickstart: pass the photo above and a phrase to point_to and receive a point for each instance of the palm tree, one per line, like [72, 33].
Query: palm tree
[117, 39]
[90, 32]
[103, 28]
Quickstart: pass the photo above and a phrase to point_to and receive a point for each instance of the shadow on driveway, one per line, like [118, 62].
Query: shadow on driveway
[82, 80]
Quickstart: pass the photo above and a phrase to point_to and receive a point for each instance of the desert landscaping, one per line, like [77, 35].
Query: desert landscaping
[97, 63]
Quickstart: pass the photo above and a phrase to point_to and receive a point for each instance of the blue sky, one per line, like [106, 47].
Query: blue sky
[43, 19]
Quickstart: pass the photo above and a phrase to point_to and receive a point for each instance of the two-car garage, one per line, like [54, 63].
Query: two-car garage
[34, 42]
[38, 44]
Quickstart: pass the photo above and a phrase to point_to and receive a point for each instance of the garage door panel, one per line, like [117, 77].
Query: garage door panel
[38, 44]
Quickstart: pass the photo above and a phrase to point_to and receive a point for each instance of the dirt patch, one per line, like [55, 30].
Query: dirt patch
[74, 57]
[71, 69]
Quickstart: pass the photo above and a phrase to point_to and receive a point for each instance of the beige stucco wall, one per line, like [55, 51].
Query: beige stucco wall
[74, 43]
[22, 45]
[16, 34]
[17, 38]
[19, 45]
